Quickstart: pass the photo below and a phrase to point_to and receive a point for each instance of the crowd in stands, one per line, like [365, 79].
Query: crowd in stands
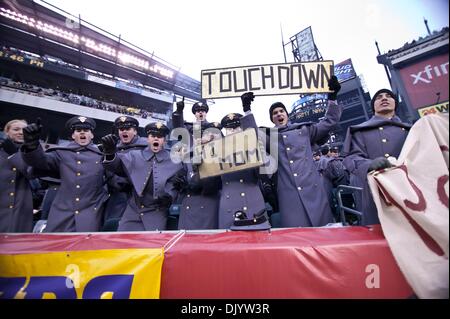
[78, 99]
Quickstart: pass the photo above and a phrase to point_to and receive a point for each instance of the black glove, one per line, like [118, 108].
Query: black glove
[179, 181]
[247, 99]
[8, 146]
[109, 144]
[31, 134]
[180, 106]
[269, 193]
[333, 85]
[164, 201]
[378, 164]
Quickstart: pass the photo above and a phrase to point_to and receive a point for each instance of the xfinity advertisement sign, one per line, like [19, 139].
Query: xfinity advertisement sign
[426, 82]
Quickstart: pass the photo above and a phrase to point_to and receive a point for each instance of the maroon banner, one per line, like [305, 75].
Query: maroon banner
[347, 262]
[425, 79]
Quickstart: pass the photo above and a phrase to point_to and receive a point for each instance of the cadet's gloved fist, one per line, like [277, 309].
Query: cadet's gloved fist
[31, 134]
[333, 85]
[109, 144]
[179, 181]
[267, 188]
[164, 200]
[8, 146]
[247, 99]
[180, 106]
[379, 163]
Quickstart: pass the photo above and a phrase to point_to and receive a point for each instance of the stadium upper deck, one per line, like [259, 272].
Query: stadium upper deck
[31, 26]
[44, 46]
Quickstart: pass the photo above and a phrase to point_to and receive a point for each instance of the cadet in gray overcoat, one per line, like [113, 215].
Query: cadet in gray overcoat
[79, 203]
[119, 187]
[241, 192]
[368, 145]
[200, 198]
[16, 203]
[302, 198]
[151, 173]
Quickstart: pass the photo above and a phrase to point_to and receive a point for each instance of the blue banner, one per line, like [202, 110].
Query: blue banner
[344, 71]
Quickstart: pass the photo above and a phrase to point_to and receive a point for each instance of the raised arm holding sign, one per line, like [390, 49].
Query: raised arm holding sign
[302, 198]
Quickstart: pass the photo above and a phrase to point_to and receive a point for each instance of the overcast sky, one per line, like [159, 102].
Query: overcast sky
[200, 34]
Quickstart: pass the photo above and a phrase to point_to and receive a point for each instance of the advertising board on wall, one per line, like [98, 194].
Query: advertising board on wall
[426, 82]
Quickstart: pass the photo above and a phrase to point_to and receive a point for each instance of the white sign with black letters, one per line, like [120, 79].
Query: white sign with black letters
[268, 79]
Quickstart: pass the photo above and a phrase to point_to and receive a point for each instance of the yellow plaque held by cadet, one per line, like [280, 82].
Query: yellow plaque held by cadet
[232, 153]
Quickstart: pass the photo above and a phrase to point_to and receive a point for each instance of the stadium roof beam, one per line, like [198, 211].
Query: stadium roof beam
[38, 35]
[117, 57]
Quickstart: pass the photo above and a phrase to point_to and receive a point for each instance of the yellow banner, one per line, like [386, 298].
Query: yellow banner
[434, 109]
[92, 274]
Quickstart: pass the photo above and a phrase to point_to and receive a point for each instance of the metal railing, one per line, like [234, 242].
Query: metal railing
[342, 190]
